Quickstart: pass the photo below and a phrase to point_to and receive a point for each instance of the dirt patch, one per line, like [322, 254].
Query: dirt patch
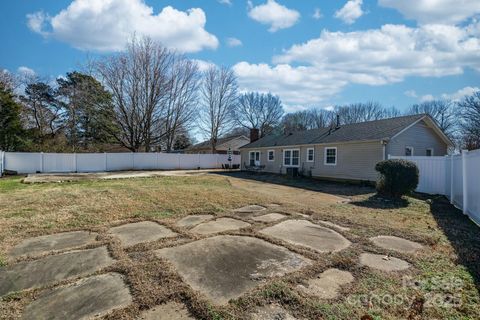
[271, 312]
[134, 233]
[225, 267]
[305, 233]
[53, 242]
[86, 298]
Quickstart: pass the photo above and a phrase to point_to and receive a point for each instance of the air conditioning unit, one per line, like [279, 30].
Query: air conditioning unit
[292, 172]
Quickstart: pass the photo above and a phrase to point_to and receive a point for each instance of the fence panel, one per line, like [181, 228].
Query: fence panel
[23, 162]
[432, 173]
[91, 162]
[95, 162]
[473, 184]
[457, 177]
[120, 161]
[58, 162]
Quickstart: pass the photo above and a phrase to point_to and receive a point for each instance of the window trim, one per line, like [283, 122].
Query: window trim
[291, 158]
[254, 152]
[268, 155]
[431, 154]
[411, 148]
[325, 156]
[308, 154]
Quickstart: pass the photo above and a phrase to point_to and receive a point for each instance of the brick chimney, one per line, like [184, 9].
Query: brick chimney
[254, 134]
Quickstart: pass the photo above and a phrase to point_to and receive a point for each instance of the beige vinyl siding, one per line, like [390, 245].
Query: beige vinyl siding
[355, 161]
[421, 137]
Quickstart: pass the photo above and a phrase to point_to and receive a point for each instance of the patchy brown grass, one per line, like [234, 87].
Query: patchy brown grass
[452, 244]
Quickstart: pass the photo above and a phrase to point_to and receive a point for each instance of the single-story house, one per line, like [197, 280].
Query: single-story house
[346, 152]
[223, 144]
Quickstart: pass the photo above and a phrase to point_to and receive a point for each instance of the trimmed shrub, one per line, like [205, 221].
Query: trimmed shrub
[398, 178]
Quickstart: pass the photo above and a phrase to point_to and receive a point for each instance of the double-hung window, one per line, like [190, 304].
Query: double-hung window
[330, 156]
[291, 157]
[429, 152]
[310, 155]
[408, 151]
[271, 155]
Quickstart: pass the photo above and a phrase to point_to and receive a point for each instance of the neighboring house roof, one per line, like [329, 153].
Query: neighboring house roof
[220, 142]
[363, 131]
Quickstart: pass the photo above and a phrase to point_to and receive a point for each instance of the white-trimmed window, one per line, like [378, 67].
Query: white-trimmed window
[271, 155]
[330, 156]
[254, 158]
[429, 152]
[310, 154]
[408, 151]
[291, 157]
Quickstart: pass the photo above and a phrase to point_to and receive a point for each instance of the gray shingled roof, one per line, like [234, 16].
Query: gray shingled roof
[207, 143]
[364, 131]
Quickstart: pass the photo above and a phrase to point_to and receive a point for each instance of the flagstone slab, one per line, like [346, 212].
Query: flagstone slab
[396, 244]
[53, 242]
[269, 217]
[93, 296]
[250, 208]
[52, 269]
[225, 267]
[307, 234]
[168, 311]
[271, 312]
[334, 225]
[193, 220]
[382, 262]
[219, 225]
[327, 284]
[146, 231]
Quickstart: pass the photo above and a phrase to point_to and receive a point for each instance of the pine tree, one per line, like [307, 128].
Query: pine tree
[11, 131]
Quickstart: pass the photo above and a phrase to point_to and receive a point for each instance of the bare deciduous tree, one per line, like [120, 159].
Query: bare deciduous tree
[441, 111]
[258, 110]
[181, 99]
[470, 124]
[360, 112]
[219, 97]
[138, 81]
[314, 118]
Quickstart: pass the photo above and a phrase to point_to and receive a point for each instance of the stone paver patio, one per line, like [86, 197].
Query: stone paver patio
[220, 267]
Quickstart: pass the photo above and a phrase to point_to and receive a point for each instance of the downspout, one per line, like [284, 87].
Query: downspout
[384, 143]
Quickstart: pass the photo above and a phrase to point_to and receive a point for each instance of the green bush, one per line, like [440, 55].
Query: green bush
[398, 177]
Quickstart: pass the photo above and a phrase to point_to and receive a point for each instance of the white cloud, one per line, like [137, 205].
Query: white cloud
[234, 42]
[426, 98]
[313, 72]
[203, 65]
[317, 14]
[106, 25]
[434, 11]
[350, 12]
[227, 2]
[460, 94]
[273, 14]
[411, 93]
[26, 71]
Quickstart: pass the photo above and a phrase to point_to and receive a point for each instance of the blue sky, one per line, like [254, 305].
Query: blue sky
[309, 52]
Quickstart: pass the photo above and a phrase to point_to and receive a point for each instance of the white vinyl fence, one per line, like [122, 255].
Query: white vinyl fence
[456, 176]
[28, 162]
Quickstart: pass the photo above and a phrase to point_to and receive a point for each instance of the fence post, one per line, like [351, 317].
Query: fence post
[75, 161]
[464, 181]
[106, 164]
[2, 161]
[451, 179]
[41, 162]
